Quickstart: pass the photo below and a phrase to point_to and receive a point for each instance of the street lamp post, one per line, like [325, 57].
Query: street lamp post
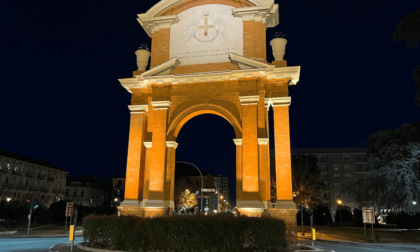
[201, 175]
[339, 202]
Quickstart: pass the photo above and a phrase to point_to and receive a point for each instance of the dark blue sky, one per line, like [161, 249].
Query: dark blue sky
[60, 100]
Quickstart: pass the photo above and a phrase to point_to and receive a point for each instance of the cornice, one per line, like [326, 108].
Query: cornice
[278, 101]
[249, 100]
[153, 24]
[148, 145]
[262, 141]
[237, 141]
[171, 144]
[270, 73]
[160, 105]
[137, 109]
[265, 14]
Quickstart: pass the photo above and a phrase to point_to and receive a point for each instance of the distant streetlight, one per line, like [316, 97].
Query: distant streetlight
[201, 175]
[339, 202]
[8, 199]
[414, 203]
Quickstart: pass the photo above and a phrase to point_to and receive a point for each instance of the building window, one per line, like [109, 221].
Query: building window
[74, 193]
[336, 167]
[82, 193]
[337, 185]
[347, 176]
[346, 157]
[335, 158]
[67, 192]
[337, 195]
[327, 185]
[336, 176]
[347, 167]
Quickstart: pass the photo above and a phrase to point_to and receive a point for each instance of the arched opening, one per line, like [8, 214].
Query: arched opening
[206, 141]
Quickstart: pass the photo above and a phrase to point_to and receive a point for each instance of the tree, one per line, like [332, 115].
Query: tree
[188, 199]
[408, 29]
[305, 178]
[394, 181]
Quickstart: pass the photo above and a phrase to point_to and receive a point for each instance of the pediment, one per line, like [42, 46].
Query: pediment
[246, 63]
[165, 68]
[171, 7]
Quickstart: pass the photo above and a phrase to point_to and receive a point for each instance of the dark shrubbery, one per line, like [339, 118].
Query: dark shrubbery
[185, 233]
[408, 221]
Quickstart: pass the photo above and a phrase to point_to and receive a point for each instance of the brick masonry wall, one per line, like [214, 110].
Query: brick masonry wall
[289, 218]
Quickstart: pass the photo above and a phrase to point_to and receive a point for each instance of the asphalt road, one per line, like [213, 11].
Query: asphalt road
[32, 244]
[360, 247]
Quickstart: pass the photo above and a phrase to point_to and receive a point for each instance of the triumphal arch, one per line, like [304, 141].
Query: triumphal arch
[209, 56]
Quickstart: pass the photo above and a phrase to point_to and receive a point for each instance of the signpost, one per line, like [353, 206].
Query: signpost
[368, 217]
[68, 213]
[208, 190]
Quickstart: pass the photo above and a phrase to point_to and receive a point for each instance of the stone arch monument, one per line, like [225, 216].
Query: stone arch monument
[209, 56]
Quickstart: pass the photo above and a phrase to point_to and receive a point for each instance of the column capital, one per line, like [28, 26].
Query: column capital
[138, 109]
[147, 144]
[262, 141]
[277, 101]
[160, 105]
[171, 144]
[237, 141]
[249, 100]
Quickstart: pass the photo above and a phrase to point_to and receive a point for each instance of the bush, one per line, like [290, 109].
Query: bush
[185, 233]
[405, 220]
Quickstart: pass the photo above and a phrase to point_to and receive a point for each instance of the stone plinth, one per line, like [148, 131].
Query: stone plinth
[289, 218]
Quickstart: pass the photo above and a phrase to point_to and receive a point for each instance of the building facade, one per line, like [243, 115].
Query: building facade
[23, 178]
[87, 191]
[338, 166]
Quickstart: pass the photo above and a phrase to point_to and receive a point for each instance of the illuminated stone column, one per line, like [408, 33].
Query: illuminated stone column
[238, 143]
[157, 163]
[136, 156]
[148, 146]
[170, 174]
[282, 151]
[264, 171]
[250, 193]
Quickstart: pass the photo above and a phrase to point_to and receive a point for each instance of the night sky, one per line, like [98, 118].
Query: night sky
[61, 102]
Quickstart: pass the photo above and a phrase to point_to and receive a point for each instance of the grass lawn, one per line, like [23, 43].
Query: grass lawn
[358, 234]
[340, 233]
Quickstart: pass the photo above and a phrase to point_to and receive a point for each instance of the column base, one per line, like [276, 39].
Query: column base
[129, 207]
[288, 215]
[283, 204]
[153, 203]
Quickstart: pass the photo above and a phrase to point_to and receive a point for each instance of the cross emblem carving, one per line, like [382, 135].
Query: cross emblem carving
[206, 26]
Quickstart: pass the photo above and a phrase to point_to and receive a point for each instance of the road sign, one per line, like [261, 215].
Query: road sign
[69, 209]
[368, 215]
[208, 189]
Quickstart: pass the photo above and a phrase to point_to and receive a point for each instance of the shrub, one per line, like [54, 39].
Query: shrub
[185, 233]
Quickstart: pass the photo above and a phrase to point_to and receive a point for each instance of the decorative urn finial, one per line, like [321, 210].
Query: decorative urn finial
[143, 54]
[278, 45]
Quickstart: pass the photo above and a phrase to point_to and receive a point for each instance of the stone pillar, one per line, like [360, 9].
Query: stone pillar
[238, 143]
[250, 190]
[136, 156]
[264, 171]
[170, 174]
[156, 163]
[282, 148]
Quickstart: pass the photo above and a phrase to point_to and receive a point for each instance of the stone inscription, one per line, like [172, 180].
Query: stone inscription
[206, 34]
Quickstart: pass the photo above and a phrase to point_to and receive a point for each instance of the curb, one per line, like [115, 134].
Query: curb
[8, 232]
[80, 246]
